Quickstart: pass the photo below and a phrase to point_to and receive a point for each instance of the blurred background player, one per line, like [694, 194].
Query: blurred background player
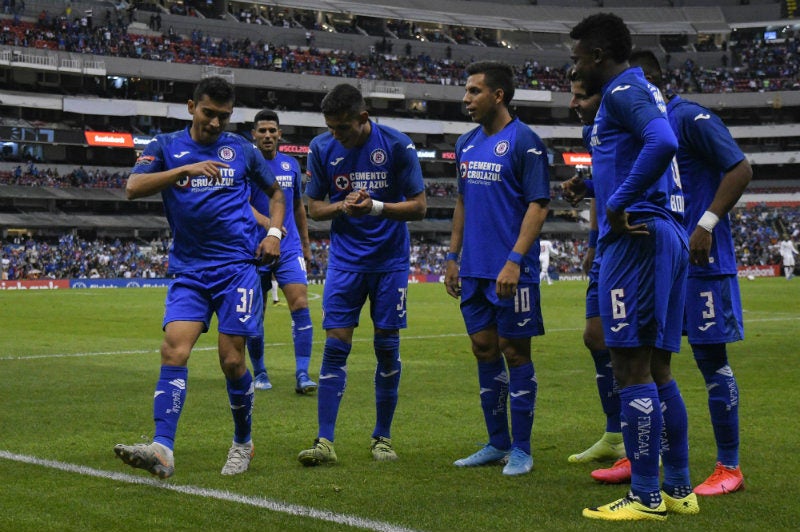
[205, 176]
[504, 191]
[545, 250]
[290, 270]
[644, 258]
[787, 251]
[610, 446]
[373, 181]
[714, 174]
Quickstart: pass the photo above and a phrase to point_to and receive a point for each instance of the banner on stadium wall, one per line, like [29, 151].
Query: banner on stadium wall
[136, 282]
[769, 270]
[575, 159]
[38, 284]
[108, 139]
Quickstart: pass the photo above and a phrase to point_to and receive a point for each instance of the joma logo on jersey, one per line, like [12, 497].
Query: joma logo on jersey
[378, 157]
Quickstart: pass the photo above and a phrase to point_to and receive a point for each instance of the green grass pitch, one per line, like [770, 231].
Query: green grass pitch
[78, 368]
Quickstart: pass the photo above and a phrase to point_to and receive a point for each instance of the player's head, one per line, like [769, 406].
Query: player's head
[648, 62]
[267, 132]
[490, 87]
[211, 108]
[346, 115]
[602, 42]
[584, 102]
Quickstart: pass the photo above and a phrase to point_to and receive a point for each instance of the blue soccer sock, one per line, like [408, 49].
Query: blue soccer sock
[674, 441]
[493, 381]
[387, 383]
[303, 336]
[607, 389]
[255, 347]
[641, 432]
[168, 402]
[241, 395]
[522, 389]
[723, 400]
[332, 383]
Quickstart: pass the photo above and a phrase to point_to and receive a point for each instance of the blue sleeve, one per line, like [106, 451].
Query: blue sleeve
[315, 188]
[660, 146]
[535, 175]
[409, 169]
[711, 140]
[151, 160]
[260, 173]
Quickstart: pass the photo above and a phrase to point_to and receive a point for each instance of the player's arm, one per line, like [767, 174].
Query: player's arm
[532, 222]
[320, 209]
[730, 189]
[588, 259]
[451, 273]
[270, 247]
[360, 203]
[301, 221]
[140, 185]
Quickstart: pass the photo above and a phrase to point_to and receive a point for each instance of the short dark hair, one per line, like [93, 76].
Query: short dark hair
[606, 31]
[648, 62]
[497, 75]
[266, 114]
[343, 98]
[574, 77]
[216, 88]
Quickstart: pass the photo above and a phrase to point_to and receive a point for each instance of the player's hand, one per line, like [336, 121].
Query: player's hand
[358, 203]
[507, 281]
[573, 190]
[699, 246]
[207, 168]
[588, 259]
[452, 283]
[618, 220]
[269, 250]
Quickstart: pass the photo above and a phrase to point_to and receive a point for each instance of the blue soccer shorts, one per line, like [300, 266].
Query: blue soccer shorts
[291, 269]
[713, 310]
[346, 292]
[515, 317]
[642, 287]
[233, 292]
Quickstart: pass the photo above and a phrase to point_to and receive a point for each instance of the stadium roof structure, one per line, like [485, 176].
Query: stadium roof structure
[542, 19]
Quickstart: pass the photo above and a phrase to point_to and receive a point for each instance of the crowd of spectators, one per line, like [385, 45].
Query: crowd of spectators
[32, 176]
[760, 65]
[757, 231]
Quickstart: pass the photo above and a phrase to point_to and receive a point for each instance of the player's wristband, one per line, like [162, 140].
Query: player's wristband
[593, 234]
[514, 257]
[451, 256]
[274, 231]
[377, 208]
[708, 221]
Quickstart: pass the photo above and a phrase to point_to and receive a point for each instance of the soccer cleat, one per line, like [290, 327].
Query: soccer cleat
[722, 481]
[609, 447]
[686, 506]
[239, 456]
[321, 453]
[616, 474]
[519, 463]
[153, 457]
[489, 454]
[382, 450]
[305, 385]
[261, 382]
[627, 508]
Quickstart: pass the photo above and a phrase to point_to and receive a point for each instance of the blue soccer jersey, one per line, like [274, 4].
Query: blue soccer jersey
[211, 220]
[706, 151]
[629, 104]
[386, 166]
[499, 176]
[287, 172]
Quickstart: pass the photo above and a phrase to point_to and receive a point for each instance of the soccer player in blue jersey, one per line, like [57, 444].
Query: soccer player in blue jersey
[609, 446]
[644, 258]
[373, 183]
[205, 175]
[714, 173]
[504, 192]
[290, 270]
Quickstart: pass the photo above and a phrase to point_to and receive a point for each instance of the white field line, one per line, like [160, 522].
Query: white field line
[258, 502]
[788, 317]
